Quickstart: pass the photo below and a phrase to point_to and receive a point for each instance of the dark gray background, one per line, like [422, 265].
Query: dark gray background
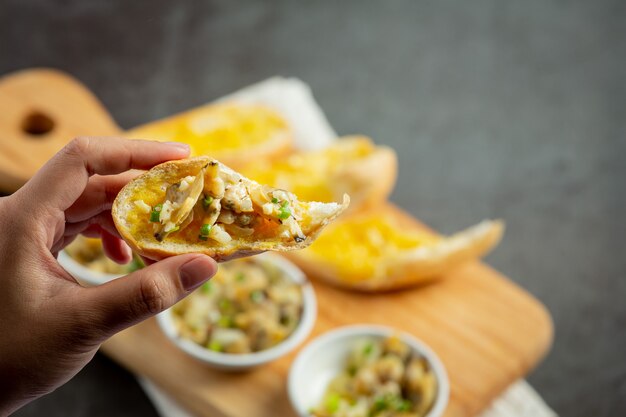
[512, 109]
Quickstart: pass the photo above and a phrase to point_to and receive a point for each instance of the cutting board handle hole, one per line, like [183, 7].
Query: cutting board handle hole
[37, 124]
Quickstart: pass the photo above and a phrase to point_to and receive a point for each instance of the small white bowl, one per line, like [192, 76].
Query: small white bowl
[239, 362]
[84, 275]
[322, 359]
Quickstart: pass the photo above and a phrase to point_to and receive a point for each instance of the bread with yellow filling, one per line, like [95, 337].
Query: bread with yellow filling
[384, 249]
[352, 165]
[201, 205]
[232, 132]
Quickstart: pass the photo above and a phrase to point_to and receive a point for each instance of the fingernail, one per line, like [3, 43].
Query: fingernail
[195, 272]
[179, 145]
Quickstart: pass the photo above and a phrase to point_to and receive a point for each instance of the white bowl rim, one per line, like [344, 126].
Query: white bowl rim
[248, 360]
[83, 273]
[372, 330]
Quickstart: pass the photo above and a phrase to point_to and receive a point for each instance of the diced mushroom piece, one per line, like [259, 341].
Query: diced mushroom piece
[240, 346]
[365, 381]
[229, 339]
[389, 389]
[393, 345]
[245, 220]
[389, 368]
[196, 319]
[286, 295]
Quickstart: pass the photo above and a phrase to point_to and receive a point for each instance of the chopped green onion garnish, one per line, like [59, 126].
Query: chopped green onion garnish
[380, 404]
[206, 202]
[285, 204]
[284, 213]
[368, 349]
[240, 277]
[403, 405]
[332, 403]
[205, 229]
[224, 304]
[206, 288]
[155, 215]
[225, 321]
[257, 296]
[275, 200]
[216, 346]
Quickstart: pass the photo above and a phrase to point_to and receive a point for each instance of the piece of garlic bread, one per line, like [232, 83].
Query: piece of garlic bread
[384, 248]
[352, 165]
[200, 205]
[234, 133]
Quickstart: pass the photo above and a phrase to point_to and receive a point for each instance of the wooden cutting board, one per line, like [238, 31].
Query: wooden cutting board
[40, 111]
[487, 331]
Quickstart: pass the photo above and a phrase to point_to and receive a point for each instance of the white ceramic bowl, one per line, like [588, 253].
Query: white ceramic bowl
[238, 362]
[83, 274]
[323, 358]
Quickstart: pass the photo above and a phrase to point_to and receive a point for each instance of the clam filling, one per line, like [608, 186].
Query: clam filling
[381, 378]
[222, 206]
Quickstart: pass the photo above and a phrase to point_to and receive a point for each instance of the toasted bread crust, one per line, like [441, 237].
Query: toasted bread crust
[173, 171]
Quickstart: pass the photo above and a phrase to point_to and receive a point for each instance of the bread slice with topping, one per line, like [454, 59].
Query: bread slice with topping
[384, 248]
[233, 132]
[352, 165]
[201, 205]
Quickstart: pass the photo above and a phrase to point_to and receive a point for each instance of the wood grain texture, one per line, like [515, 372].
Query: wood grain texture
[27, 97]
[487, 331]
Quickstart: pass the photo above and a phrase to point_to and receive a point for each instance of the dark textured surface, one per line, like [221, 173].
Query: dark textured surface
[497, 108]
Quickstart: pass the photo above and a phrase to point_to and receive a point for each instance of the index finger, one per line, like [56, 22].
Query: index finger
[64, 177]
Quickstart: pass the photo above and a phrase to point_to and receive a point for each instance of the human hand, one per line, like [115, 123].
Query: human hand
[50, 326]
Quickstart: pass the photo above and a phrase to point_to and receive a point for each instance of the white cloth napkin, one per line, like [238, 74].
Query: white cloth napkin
[294, 100]
[520, 400]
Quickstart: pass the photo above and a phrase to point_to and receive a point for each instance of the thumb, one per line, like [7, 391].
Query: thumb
[125, 301]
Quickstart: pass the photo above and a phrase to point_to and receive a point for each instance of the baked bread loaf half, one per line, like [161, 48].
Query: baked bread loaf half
[200, 205]
[234, 133]
[384, 249]
[352, 165]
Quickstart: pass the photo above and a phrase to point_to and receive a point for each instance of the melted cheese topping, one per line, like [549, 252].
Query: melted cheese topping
[217, 128]
[310, 175]
[355, 247]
